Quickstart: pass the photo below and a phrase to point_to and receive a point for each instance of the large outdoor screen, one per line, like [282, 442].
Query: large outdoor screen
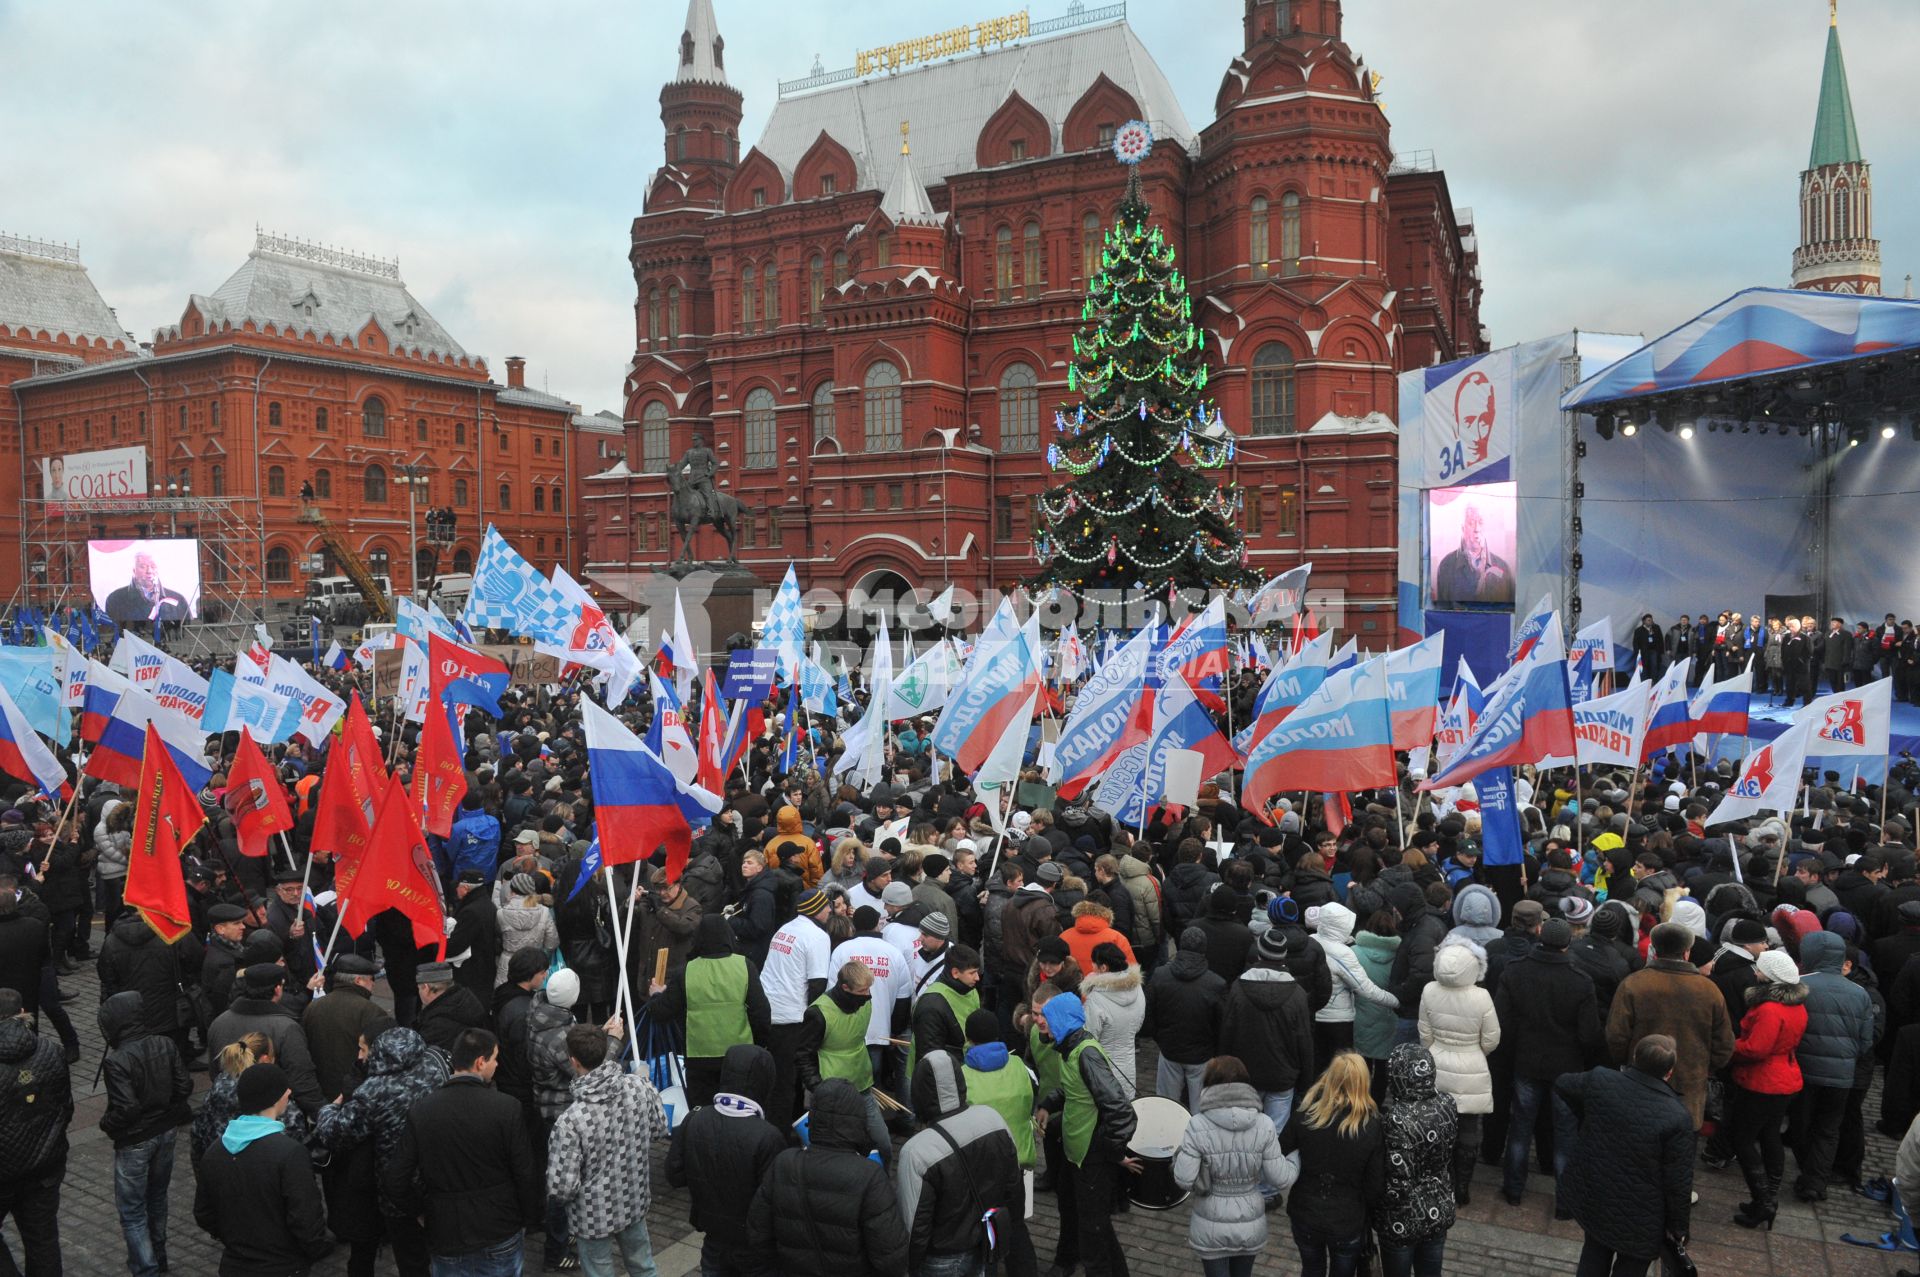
[140, 582]
[1472, 542]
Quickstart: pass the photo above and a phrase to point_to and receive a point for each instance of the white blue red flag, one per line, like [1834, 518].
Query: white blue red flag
[336, 658]
[1413, 690]
[667, 734]
[1608, 730]
[1670, 724]
[1590, 655]
[1103, 722]
[1720, 708]
[1198, 652]
[1345, 658]
[639, 805]
[1284, 689]
[1528, 718]
[1454, 724]
[123, 742]
[1532, 628]
[1337, 740]
[998, 683]
[104, 688]
[25, 756]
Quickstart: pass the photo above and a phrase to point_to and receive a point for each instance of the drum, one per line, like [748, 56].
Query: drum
[1158, 1125]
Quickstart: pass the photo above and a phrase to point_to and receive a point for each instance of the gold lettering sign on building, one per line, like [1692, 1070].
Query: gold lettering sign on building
[943, 44]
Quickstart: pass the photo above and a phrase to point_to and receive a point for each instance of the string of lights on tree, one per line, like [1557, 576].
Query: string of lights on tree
[1140, 510]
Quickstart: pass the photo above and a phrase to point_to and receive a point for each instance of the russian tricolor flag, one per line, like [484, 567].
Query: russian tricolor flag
[1413, 690]
[104, 688]
[123, 742]
[639, 805]
[1720, 709]
[1532, 628]
[1288, 685]
[25, 755]
[1340, 739]
[1671, 723]
[1528, 716]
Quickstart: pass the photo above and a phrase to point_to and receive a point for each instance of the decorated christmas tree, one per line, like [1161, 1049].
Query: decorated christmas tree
[1140, 511]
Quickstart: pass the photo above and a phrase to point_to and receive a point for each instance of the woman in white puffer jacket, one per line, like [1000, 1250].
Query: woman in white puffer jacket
[1333, 1023]
[1458, 1025]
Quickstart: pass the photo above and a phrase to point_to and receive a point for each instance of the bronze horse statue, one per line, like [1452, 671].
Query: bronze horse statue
[693, 508]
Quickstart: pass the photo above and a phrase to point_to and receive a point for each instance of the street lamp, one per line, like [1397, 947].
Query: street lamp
[413, 477]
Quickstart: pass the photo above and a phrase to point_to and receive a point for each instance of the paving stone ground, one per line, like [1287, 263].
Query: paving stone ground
[1491, 1239]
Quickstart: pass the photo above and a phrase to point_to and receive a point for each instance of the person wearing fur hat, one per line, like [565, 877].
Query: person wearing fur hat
[1766, 1077]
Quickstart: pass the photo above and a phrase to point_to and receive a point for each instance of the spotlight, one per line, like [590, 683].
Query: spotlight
[1852, 442]
[1686, 432]
[1856, 434]
[1886, 432]
[1603, 425]
[1630, 430]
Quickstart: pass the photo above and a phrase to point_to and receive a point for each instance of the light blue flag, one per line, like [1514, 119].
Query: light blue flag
[32, 677]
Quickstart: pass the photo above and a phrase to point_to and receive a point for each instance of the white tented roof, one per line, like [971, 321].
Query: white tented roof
[44, 288]
[948, 103]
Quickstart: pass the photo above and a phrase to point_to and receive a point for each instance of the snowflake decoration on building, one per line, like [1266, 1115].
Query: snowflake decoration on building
[1132, 142]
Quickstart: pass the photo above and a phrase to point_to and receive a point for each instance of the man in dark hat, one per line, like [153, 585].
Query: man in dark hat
[447, 1009]
[287, 919]
[1267, 1023]
[227, 925]
[875, 876]
[257, 1195]
[475, 939]
[336, 1023]
[257, 1008]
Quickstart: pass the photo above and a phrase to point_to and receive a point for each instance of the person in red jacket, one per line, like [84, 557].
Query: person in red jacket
[1092, 926]
[1766, 1077]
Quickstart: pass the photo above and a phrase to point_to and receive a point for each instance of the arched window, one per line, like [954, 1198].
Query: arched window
[770, 294]
[653, 438]
[460, 492]
[823, 413]
[373, 418]
[1090, 241]
[463, 560]
[1273, 390]
[273, 416]
[816, 284]
[1257, 239]
[1290, 233]
[276, 481]
[424, 563]
[539, 499]
[882, 408]
[1033, 269]
[680, 143]
[1019, 410]
[556, 502]
[506, 496]
[653, 316]
[376, 484]
[883, 249]
[839, 268]
[1842, 210]
[1003, 262]
[320, 421]
[322, 484]
[761, 451]
[673, 313]
[379, 560]
[749, 300]
[279, 564]
[217, 480]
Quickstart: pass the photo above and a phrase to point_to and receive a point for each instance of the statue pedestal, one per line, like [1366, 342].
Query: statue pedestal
[720, 600]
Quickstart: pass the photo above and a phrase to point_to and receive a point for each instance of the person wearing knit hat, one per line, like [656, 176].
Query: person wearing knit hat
[1576, 910]
[1766, 1077]
[257, 1194]
[1548, 1015]
[1267, 1022]
[797, 971]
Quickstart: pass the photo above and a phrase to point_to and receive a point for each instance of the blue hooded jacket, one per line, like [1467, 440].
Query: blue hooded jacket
[1841, 1024]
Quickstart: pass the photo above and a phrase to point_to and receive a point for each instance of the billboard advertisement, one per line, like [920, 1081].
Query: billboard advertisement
[113, 474]
[140, 582]
[1473, 533]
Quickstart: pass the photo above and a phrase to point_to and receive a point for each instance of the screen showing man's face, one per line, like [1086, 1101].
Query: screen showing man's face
[146, 574]
[1470, 532]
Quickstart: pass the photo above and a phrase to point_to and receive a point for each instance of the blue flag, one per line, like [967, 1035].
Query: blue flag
[589, 866]
[1499, 818]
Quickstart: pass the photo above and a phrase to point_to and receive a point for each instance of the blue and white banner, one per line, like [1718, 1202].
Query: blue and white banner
[1500, 842]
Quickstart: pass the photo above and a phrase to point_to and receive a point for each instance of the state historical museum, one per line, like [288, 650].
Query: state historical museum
[867, 313]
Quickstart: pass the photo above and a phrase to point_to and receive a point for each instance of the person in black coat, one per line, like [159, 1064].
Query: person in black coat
[1649, 647]
[257, 1196]
[1268, 1024]
[476, 933]
[220, 963]
[1305, 959]
[26, 948]
[36, 1107]
[722, 1146]
[1550, 1023]
[1630, 1177]
[447, 1009]
[465, 1162]
[1188, 885]
[1184, 1001]
[826, 1210]
[147, 1089]
[135, 959]
[757, 916]
[1229, 939]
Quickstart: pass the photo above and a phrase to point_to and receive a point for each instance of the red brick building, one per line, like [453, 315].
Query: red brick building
[308, 366]
[868, 312]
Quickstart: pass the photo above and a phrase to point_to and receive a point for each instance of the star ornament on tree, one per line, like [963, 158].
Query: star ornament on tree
[1132, 142]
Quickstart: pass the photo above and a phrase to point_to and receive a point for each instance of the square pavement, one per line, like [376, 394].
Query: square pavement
[1490, 1239]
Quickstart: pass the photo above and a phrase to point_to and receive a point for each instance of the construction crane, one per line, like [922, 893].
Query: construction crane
[378, 609]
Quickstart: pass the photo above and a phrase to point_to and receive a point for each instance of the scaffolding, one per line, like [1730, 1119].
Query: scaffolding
[233, 585]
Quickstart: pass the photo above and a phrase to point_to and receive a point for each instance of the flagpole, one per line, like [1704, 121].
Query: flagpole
[623, 936]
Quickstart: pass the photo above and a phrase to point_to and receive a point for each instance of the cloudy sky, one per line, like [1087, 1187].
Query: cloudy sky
[1628, 162]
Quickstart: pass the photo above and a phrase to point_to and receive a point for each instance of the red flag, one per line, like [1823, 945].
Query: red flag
[397, 873]
[351, 790]
[711, 774]
[166, 817]
[439, 780]
[255, 798]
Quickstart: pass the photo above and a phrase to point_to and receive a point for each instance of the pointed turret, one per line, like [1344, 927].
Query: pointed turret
[700, 109]
[702, 51]
[906, 199]
[1837, 252]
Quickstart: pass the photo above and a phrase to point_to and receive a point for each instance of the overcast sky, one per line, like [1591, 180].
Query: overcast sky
[1629, 162]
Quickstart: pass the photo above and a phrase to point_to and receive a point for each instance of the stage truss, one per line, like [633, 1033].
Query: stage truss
[233, 586]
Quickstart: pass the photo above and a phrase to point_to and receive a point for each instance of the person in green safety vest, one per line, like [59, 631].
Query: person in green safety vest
[1046, 1065]
[999, 1080]
[833, 1044]
[718, 998]
[1096, 1120]
[940, 1011]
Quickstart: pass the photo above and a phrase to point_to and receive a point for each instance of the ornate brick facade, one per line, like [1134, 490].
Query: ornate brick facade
[872, 333]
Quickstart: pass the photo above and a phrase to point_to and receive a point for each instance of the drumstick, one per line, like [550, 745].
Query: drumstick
[899, 1042]
[886, 1101]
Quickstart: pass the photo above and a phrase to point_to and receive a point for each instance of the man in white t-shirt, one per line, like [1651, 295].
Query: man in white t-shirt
[904, 936]
[799, 958]
[875, 878]
[891, 984]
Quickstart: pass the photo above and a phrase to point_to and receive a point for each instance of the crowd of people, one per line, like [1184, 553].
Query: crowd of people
[868, 1028]
[1793, 657]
